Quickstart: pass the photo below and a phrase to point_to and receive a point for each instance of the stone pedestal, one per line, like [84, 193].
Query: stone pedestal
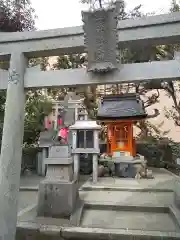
[59, 169]
[59, 151]
[57, 199]
[136, 168]
[58, 193]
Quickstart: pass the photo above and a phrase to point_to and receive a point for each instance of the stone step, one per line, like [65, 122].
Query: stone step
[151, 221]
[53, 231]
[115, 234]
[129, 197]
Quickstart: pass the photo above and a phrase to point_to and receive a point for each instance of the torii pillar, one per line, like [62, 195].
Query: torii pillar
[11, 149]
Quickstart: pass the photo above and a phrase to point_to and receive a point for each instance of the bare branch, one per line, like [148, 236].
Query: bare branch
[152, 99]
[156, 113]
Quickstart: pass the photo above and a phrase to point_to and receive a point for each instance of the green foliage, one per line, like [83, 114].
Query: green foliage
[19, 16]
[151, 132]
[137, 55]
[16, 16]
[174, 6]
[94, 4]
[37, 107]
[43, 62]
[175, 148]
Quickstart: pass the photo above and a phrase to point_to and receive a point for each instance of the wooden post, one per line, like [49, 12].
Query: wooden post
[11, 149]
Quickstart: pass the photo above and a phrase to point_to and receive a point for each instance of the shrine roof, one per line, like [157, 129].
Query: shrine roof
[121, 107]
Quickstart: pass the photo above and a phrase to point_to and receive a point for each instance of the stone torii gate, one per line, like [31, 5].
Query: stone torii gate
[102, 69]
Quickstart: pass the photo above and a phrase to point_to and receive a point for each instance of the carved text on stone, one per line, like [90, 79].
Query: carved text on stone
[13, 77]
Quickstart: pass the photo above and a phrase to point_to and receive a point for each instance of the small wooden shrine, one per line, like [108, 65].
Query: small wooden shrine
[119, 113]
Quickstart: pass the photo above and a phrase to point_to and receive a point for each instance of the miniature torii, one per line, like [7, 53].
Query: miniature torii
[18, 47]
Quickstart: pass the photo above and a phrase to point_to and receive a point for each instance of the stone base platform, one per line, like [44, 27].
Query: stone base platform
[57, 199]
[107, 221]
[106, 213]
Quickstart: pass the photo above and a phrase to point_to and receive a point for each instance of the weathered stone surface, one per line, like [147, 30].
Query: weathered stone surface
[177, 193]
[69, 117]
[59, 161]
[57, 199]
[100, 37]
[60, 172]
[26, 230]
[71, 101]
[11, 146]
[59, 151]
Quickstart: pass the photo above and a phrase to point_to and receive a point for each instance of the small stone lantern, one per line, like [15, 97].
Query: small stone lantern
[58, 192]
[90, 131]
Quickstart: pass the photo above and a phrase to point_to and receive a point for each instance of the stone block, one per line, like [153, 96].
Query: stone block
[125, 170]
[122, 159]
[59, 151]
[149, 174]
[60, 172]
[58, 161]
[177, 193]
[57, 199]
[69, 117]
[100, 40]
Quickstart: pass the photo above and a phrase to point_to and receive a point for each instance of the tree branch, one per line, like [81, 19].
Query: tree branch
[152, 99]
[156, 113]
[100, 3]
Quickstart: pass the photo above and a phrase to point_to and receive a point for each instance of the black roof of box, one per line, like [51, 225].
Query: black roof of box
[121, 107]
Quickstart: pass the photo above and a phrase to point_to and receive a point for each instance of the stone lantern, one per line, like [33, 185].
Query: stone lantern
[88, 131]
[58, 192]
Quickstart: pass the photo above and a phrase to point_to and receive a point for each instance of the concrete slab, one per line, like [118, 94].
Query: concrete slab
[166, 182]
[162, 180]
[134, 220]
[129, 198]
[26, 199]
[122, 198]
[115, 234]
[31, 217]
[30, 182]
[124, 194]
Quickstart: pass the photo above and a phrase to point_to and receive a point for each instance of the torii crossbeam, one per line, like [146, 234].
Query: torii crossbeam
[153, 30]
[18, 47]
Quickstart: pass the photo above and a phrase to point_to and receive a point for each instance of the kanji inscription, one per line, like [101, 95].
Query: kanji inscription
[13, 77]
[100, 36]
